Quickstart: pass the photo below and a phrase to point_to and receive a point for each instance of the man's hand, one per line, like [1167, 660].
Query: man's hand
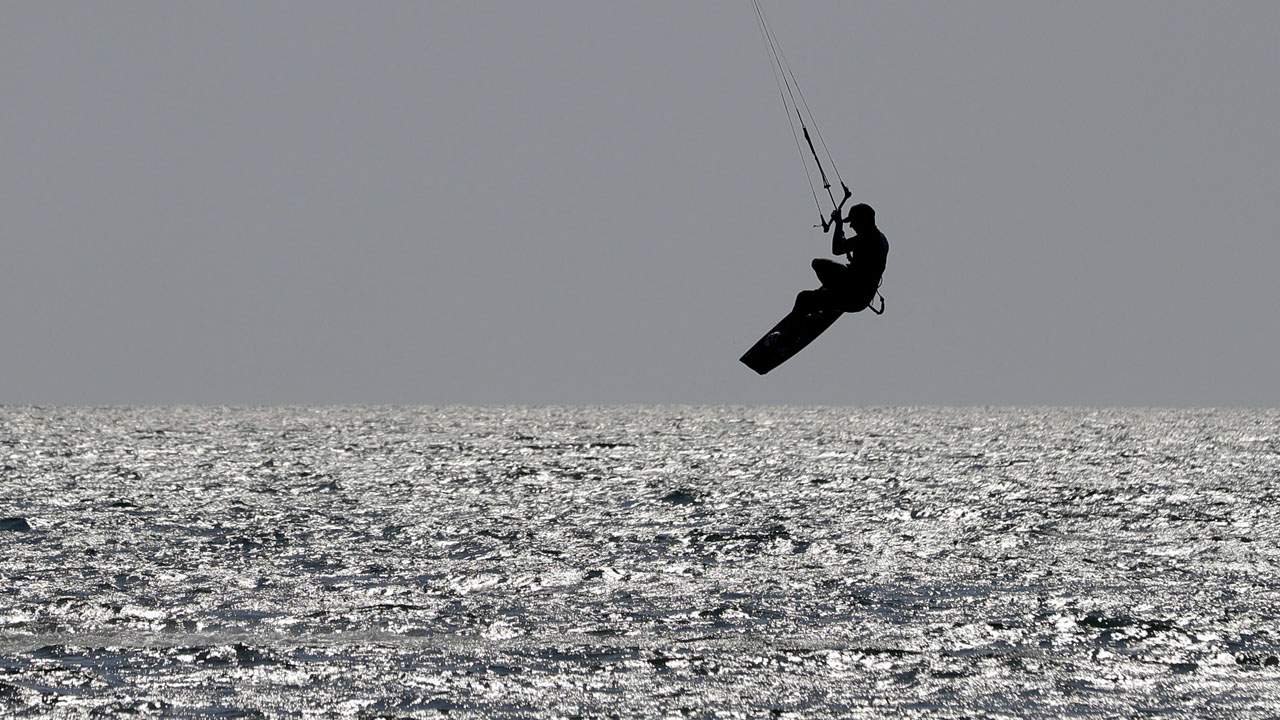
[833, 220]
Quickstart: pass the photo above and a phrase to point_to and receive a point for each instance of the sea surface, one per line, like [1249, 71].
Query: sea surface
[639, 562]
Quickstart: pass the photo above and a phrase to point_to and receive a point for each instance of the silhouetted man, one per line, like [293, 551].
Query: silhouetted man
[850, 287]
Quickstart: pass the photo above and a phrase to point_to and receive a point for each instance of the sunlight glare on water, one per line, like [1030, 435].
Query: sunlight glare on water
[551, 562]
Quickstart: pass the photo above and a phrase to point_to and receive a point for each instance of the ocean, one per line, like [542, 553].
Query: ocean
[726, 562]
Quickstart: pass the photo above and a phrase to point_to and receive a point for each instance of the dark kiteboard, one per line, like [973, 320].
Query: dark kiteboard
[789, 337]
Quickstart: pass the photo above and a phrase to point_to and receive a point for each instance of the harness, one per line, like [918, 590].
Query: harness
[872, 308]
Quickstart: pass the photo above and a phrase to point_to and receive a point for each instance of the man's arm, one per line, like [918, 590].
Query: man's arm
[839, 243]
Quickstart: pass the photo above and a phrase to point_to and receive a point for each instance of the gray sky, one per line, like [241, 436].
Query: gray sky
[565, 202]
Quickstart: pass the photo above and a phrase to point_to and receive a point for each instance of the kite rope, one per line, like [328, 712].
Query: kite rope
[788, 88]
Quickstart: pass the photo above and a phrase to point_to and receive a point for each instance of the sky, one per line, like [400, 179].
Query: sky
[586, 202]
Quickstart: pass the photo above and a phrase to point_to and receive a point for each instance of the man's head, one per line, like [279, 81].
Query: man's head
[861, 216]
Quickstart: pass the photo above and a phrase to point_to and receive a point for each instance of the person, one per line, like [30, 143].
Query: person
[849, 287]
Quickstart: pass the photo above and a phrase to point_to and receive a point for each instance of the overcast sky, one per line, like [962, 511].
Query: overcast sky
[600, 202]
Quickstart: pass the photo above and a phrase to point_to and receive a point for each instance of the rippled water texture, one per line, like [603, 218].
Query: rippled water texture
[642, 562]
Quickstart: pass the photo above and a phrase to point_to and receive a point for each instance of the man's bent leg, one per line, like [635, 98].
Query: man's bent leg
[832, 275]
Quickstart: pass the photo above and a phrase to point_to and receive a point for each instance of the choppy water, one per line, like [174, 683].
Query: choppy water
[708, 562]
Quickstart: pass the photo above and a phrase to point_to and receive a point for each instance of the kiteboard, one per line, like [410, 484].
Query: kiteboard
[789, 337]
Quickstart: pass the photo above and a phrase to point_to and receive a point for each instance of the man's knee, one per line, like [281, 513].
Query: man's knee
[831, 274]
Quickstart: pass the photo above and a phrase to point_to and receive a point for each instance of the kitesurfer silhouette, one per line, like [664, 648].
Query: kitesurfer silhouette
[851, 287]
